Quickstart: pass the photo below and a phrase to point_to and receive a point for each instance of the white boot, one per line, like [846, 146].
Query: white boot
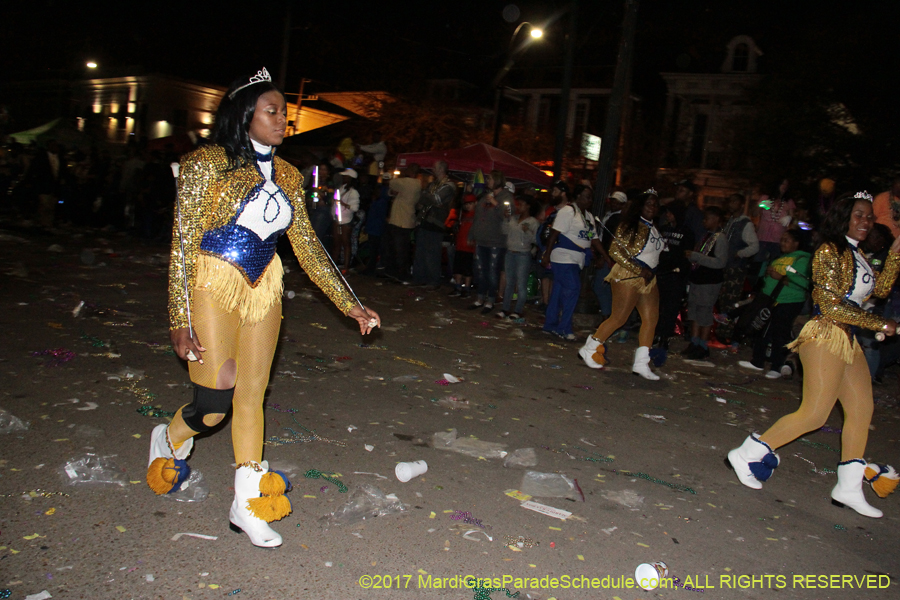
[641, 364]
[848, 491]
[161, 445]
[246, 487]
[587, 352]
[753, 462]
[167, 469]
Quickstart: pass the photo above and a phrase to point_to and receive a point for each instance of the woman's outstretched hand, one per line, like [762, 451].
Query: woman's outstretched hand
[367, 318]
[183, 342]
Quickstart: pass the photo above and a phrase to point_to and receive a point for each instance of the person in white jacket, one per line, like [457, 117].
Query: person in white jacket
[346, 203]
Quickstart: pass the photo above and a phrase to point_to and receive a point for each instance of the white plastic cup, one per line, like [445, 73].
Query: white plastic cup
[647, 575]
[407, 470]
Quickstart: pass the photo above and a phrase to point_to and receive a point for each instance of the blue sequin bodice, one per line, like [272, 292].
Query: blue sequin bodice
[249, 240]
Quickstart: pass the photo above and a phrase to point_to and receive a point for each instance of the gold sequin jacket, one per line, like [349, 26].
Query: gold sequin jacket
[622, 249]
[209, 197]
[834, 274]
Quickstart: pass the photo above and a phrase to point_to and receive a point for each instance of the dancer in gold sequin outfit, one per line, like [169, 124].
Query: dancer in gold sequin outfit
[235, 200]
[834, 367]
[635, 248]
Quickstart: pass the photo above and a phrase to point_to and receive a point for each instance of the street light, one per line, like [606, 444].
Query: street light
[536, 33]
[91, 65]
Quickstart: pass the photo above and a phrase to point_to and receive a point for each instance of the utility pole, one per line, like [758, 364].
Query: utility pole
[564, 92]
[588, 303]
[617, 104]
[299, 103]
[285, 45]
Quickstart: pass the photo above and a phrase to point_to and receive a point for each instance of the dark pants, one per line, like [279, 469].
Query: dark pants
[602, 289]
[778, 333]
[427, 265]
[375, 246]
[488, 260]
[563, 298]
[672, 290]
[396, 255]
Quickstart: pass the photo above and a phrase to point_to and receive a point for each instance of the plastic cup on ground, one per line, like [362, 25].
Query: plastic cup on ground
[647, 575]
[407, 470]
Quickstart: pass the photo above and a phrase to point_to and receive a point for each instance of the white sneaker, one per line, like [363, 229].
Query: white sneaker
[746, 364]
[786, 371]
[773, 375]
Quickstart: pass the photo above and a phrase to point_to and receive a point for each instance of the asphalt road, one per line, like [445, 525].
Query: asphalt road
[654, 489]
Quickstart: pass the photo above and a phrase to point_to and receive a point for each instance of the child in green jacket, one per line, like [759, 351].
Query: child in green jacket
[787, 307]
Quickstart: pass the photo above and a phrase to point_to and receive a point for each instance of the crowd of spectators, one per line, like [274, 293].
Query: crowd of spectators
[733, 272]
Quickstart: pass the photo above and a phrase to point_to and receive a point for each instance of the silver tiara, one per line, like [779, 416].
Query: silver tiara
[261, 75]
[652, 192]
[863, 195]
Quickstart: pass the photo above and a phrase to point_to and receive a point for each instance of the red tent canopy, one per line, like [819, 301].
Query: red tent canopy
[479, 156]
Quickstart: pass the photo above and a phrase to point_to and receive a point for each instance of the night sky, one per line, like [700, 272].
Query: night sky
[392, 45]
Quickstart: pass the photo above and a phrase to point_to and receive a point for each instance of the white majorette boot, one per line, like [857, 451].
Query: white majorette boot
[641, 364]
[753, 462]
[258, 500]
[167, 469]
[591, 351]
[848, 491]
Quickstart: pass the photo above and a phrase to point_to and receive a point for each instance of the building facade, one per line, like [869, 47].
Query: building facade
[702, 110]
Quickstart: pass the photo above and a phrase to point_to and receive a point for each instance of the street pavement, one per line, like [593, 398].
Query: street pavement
[647, 456]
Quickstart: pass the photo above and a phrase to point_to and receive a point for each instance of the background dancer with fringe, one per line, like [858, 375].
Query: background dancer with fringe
[635, 248]
[834, 367]
[236, 198]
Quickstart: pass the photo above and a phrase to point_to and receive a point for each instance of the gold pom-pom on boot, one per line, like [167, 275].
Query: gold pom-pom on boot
[593, 353]
[258, 500]
[167, 469]
[882, 478]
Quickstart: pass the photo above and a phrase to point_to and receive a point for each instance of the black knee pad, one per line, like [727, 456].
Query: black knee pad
[207, 401]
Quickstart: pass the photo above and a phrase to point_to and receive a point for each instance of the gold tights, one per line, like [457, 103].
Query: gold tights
[238, 356]
[826, 379]
[626, 298]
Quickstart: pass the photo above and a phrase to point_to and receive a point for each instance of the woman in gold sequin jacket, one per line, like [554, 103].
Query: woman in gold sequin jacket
[834, 367]
[635, 248]
[236, 198]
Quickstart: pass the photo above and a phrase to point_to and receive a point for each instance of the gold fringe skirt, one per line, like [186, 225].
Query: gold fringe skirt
[837, 339]
[231, 289]
[620, 272]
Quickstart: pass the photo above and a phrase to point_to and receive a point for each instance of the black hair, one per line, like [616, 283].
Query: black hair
[837, 220]
[774, 188]
[632, 215]
[716, 212]
[796, 234]
[534, 207]
[231, 128]
[884, 231]
[576, 191]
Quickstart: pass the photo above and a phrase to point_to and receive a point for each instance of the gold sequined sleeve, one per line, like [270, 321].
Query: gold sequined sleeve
[197, 172]
[885, 280]
[621, 250]
[310, 252]
[829, 274]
